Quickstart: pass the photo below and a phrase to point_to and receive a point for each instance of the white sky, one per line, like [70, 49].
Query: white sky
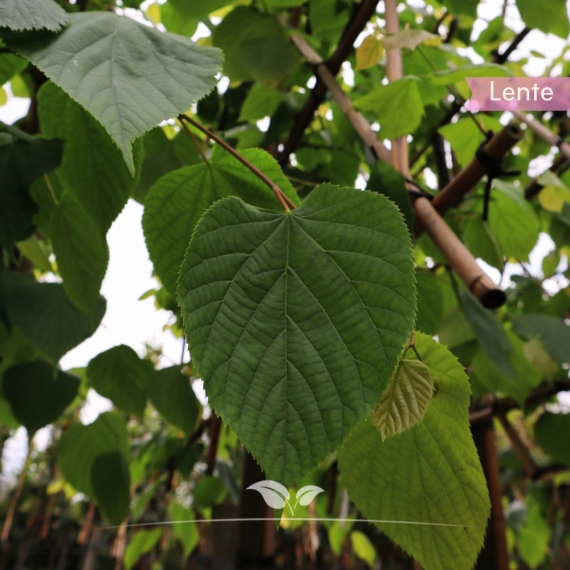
[129, 275]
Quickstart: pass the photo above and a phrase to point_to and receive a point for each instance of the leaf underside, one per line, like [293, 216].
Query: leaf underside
[296, 321]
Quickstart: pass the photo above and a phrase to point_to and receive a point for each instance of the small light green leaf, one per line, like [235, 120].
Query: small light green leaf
[481, 241]
[32, 15]
[171, 394]
[540, 359]
[184, 527]
[46, 316]
[120, 375]
[406, 399]
[10, 65]
[363, 548]
[111, 485]
[296, 321]
[143, 541]
[33, 250]
[81, 444]
[175, 204]
[21, 162]
[551, 432]
[427, 474]
[508, 213]
[81, 252]
[38, 395]
[93, 169]
[411, 39]
[397, 106]
[127, 75]
[489, 331]
[260, 102]
[369, 52]
[534, 537]
[451, 76]
[209, 491]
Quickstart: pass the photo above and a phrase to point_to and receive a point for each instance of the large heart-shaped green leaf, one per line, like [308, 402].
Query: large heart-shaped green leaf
[128, 76]
[428, 476]
[296, 320]
[175, 204]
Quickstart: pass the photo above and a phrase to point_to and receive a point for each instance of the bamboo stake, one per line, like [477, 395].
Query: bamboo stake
[458, 256]
[543, 132]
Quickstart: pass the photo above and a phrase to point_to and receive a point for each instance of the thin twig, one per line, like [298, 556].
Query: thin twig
[50, 188]
[286, 202]
[194, 140]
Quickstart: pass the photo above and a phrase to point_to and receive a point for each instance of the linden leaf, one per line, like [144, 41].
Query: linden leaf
[369, 52]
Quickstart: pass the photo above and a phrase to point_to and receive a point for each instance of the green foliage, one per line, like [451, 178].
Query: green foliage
[363, 548]
[428, 474]
[209, 491]
[32, 15]
[10, 65]
[143, 541]
[548, 17]
[246, 276]
[406, 399]
[111, 485]
[184, 529]
[98, 74]
[46, 316]
[548, 431]
[120, 375]
[21, 162]
[175, 204]
[37, 394]
[171, 394]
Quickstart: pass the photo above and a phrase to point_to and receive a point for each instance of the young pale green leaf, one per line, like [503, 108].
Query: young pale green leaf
[111, 485]
[92, 169]
[518, 385]
[175, 204]
[22, 15]
[428, 474]
[128, 76]
[406, 399]
[548, 431]
[143, 541]
[184, 529]
[369, 52]
[120, 375]
[81, 252]
[489, 332]
[21, 162]
[46, 316]
[411, 39]
[397, 106]
[363, 548]
[171, 394]
[81, 444]
[38, 395]
[296, 320]
[508, 213]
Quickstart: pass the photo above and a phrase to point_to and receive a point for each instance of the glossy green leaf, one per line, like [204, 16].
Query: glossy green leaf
[120, 375]
[111, 485]
[552, 332]
[175, 204]
[428, 474]
[509, 213]
[32, 15]
[492, 378]
[489, 332]
[92, 169]
[81, 252]
[547, 17]
[37, 394]
[406, 399]
[551, 432]
[397, 107]
[92, 60]
[81, 444]
[296, 321]
[46, 316]
[185, 530]
[171, 394]
[143, 541]
[21, 162]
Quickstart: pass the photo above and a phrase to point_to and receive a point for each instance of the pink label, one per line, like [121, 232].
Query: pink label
[519, 94]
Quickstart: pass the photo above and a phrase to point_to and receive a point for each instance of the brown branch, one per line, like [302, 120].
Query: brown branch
[215, 426]
[17, 492]
[518, 446]
[458, 256]
[543, 132]
[502, 57]
[351, 32]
